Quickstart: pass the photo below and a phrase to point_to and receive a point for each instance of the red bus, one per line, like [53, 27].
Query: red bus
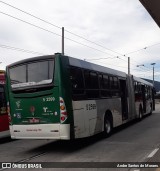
[4, 122]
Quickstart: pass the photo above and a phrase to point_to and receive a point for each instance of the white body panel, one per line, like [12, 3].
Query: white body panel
[140, 103]
[40, 131]
[89, 115]
[148, 108]
[137, 104]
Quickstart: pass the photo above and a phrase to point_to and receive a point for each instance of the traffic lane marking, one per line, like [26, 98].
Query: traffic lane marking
[153, 153]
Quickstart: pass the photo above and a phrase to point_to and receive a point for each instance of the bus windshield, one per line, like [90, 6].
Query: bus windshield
[32, 74]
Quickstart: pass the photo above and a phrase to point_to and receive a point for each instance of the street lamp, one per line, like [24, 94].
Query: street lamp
[153, 72]
[140, 65]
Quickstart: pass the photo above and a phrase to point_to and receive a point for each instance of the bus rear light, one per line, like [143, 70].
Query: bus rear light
[61, 101]
[62, 107]
[63, 112]
[62, 118]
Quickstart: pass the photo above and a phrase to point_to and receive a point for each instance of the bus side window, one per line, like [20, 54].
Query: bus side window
[148, 95]
[139, 87]
[106, 82]
[91, 83]
[136, 90]
[104, 85]
[114, 86]
[77, 82]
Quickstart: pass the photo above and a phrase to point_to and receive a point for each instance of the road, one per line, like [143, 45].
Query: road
[135, 142]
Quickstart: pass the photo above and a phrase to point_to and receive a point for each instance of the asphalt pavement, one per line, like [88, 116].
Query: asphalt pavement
[155, 155]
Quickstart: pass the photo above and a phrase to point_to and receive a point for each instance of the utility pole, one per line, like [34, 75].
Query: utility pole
[153, 92]
[128, 65]
[62, 40]
[153, 72]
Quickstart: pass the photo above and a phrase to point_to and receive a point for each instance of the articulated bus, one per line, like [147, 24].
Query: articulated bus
[4, 123]
[60, 97]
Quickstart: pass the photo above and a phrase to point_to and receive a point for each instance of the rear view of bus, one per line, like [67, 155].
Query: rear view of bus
[37, 104]
[4, 124]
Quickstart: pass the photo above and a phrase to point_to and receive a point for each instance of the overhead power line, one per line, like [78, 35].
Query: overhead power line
[26, 22]
[20, 50]
[95, 59]
[30, 14]
[117, 66]
[47, 22]
[29, 23]
[142, 49]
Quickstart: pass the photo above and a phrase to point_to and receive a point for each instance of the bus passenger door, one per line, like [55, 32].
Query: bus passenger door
[124, 101]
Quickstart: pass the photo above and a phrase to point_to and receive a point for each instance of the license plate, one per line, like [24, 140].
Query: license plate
[34, 120]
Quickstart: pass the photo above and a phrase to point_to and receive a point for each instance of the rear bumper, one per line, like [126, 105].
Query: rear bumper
[40, 131]
[4, 134]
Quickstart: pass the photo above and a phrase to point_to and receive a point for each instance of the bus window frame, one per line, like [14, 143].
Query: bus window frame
[74, 95]
[35, 87]
[111, 91]
[91, 90]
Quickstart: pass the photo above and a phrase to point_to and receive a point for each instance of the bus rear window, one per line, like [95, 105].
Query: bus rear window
[32, 74]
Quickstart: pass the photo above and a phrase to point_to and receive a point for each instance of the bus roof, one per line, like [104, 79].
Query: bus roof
[83, 64]
[95, 67]
[76, 62]
[142, 81]
[31, 59]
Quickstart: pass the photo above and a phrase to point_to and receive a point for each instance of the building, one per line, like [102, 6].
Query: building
[153, 8]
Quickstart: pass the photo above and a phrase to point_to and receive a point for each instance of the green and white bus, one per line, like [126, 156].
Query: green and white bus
[60, 97]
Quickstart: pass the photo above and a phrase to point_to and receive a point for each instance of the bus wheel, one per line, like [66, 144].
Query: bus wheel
[107, 126]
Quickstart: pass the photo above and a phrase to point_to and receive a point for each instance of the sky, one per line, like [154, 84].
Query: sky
[105, 32]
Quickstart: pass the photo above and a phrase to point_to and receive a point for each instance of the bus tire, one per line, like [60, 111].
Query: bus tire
[108, 126]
